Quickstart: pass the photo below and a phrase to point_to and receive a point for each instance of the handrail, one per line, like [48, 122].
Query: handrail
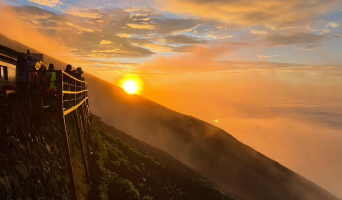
[74, 107]
[73, 77]
[69, 92]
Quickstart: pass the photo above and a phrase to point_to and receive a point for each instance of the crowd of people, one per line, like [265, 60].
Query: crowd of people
[43, 80]
[36, 76]
[39, 79]
[75, 73]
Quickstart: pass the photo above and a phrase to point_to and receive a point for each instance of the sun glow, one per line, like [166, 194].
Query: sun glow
[130, 87]
[131, 84]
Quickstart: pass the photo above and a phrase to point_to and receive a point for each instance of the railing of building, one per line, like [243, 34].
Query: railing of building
[7, 73]
[66, 96]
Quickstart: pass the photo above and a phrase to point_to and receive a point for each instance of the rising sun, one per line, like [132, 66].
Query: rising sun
[130, 87]
[131, 84]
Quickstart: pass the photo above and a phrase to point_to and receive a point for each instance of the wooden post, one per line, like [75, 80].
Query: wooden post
[79, 131]
[75, 90]
[68, 158]
[84, 128]
[88, 115]
[65, 136]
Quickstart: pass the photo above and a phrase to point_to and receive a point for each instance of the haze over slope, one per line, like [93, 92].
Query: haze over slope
[207, 149]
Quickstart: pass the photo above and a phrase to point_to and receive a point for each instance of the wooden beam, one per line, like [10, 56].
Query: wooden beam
[74, 107]
[80, 139]
[68, 157]
[86, 133]
[70, 92]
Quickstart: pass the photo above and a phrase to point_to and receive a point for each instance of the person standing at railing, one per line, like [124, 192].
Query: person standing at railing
[33, 80]
[23, 65]
[78, 73]
[68, 83]
[51, 79]
[41, 76]
[68, 69]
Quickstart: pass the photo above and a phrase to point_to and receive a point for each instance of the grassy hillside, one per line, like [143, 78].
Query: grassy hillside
[126, 168]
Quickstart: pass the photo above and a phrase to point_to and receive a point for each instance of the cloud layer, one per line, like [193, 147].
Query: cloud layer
[274, 14]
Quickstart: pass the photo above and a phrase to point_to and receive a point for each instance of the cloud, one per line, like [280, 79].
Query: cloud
[106, 42]
[142, 26]
[84, 12]
[124, 35]
[333, 25]
[79, 28]
[195, 59]
[274, 14]
[267, 56]
[215, 58]
[183, 39]
[10, 17]
[299, 39]
[219, 36]
[86, 30]
[49, 3]
[158, 48]
[259, 32]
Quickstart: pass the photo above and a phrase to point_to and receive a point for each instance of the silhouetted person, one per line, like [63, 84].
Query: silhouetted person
[73, 73]
[67, 81]
[33, 79]
[51, 87]
[52, 79]
[41, 76]
[23, 65]
[78, 73]
[68, 69]
[47, 78]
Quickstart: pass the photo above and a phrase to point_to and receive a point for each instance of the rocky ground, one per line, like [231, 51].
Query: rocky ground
[31, 161]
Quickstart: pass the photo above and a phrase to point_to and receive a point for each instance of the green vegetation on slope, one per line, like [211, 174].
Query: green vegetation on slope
[125, 168]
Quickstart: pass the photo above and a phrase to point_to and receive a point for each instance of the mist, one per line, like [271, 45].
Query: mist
[290, 113]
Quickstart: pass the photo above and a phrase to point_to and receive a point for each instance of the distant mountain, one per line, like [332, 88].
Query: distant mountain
[202, 146]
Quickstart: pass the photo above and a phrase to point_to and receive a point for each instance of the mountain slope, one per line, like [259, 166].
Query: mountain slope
[131, 168]
[202, 146]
